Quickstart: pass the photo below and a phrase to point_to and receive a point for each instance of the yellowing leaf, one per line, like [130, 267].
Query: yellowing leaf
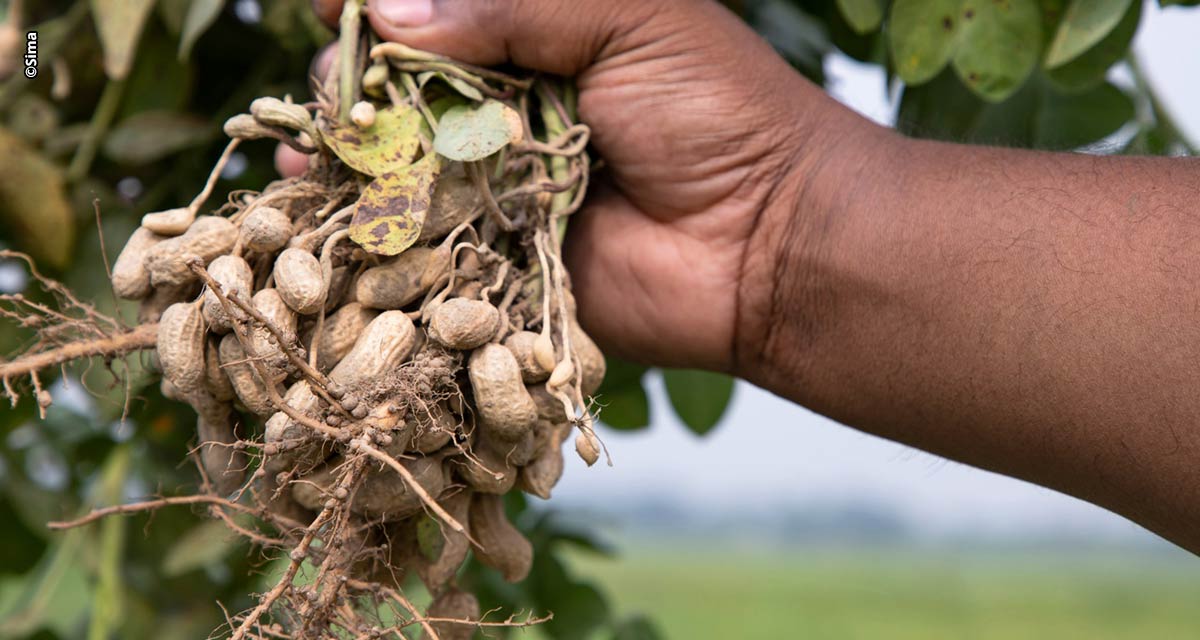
[392, 209]
[33, 202]
[385, 146]
[469, 133]
[120, 23]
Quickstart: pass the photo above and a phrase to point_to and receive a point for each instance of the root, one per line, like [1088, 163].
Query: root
[139, 338]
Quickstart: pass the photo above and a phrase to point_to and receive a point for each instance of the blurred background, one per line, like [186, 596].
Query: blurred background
[756, 520]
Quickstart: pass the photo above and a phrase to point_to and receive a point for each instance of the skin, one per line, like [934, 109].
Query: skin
[1029, 313]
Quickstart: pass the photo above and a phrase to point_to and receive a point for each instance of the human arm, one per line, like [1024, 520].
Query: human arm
[1022, 312]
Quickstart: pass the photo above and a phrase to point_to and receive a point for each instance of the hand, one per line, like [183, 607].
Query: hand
[701, 125]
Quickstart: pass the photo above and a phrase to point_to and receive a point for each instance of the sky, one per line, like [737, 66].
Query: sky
[770, 452]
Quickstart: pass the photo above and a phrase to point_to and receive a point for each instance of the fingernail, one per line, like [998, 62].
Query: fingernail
[404, 13]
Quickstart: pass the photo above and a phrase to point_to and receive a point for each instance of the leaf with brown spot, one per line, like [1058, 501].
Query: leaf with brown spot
[387, 145]
[391, 210]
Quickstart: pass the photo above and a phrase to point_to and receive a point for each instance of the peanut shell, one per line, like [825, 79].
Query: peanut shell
[130, 278]
[463, 324]
[396, 283]
[181, 346]
[299, 281]
[207, 238]
[502, 547]
[233, 275]
[505, 408]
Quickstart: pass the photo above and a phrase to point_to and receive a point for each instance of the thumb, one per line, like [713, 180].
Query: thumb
[562, 37]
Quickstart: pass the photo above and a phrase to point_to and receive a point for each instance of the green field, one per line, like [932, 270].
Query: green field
[697, 592]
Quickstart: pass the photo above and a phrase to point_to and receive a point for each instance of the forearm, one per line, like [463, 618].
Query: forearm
[1034, 314]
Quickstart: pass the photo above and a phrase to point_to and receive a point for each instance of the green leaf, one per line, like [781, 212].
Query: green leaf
[998, 47]
[107, 599]
[863, 16]
[120, 23]
[391, 210]
[200, 16]
[578, 607]
[623, 400]
[699, 397]
[626, 409]
[637, 627]
[33, 202]
[387, 145]
[55, 596]
[1037, 116]
[924, 34]
[206, 543]
[469, 133]
[1090, 68]
[153, 135]
[1071, 121]
[993, 45]
[1085, 23]
[458, 84]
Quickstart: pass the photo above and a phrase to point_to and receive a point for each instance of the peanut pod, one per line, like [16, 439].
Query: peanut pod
[339, 333]
[216, 382]
[454, 604]
[263, 343]
[181, 346]
[521, 344]
[505, 408]
[232, 274]
[299, 281]
[489, 472]
[502, 547]
[382, 494]
[455, 200]
[384, 345]
[299, 446]
[207, 238]
[224, 464]
[543, 472]
[464, 324]
[249, 387]
[266, 230]
[130, 278]
[396, 283]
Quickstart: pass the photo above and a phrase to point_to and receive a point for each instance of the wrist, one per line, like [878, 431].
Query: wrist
[796, 258]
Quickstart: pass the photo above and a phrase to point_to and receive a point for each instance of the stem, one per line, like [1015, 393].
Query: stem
[142, 337]
[559, 166]
[106, 110]
[348, 79]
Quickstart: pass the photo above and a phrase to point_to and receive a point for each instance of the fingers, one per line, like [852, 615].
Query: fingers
[557, 36]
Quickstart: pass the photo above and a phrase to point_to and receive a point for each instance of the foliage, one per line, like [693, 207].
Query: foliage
[126, 112]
